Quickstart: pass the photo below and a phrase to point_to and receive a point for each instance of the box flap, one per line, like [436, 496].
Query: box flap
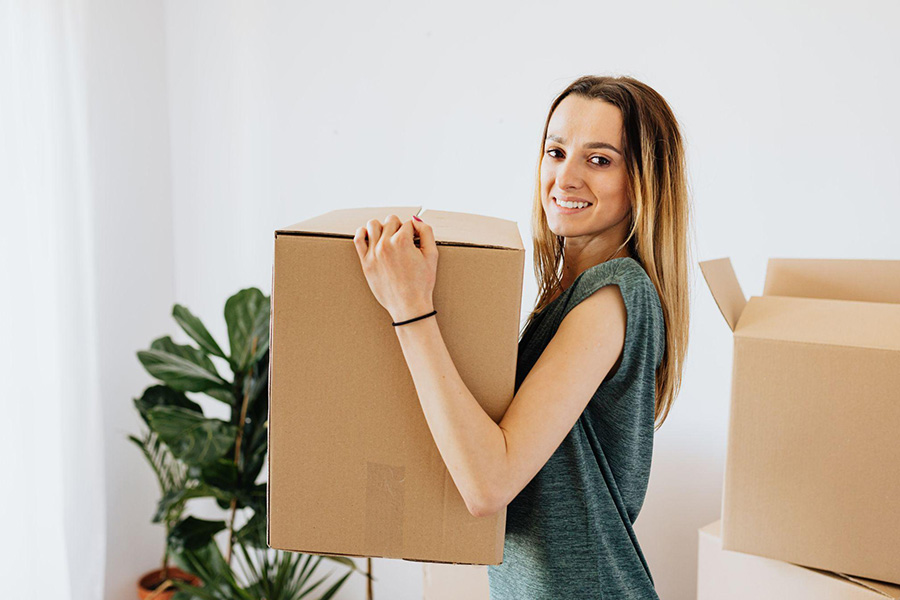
[467, 229]
[344, 222]
[714, 529]
[726, 290]
[821, 321]
[450, 228]
[838, 279]
[888, 590]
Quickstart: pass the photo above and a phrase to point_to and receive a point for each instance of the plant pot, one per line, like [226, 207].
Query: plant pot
[150, 582]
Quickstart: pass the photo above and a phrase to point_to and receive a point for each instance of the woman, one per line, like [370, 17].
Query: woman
[600, 358]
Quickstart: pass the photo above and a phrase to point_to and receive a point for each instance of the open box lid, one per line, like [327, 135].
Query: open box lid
[874, 325]
[882, 588]
[836, 279]
[888, 590]
[450, 228]
[726, 290]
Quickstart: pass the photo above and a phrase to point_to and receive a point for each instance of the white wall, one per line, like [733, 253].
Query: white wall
[128, 132]
[278, 111]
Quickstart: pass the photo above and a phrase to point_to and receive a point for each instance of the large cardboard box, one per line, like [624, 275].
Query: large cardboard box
[353, 467]
[728, 575]
[812, 471]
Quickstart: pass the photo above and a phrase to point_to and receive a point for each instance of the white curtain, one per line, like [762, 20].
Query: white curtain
[51, 447]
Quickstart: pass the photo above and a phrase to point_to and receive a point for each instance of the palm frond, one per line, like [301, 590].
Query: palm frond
[171, 473]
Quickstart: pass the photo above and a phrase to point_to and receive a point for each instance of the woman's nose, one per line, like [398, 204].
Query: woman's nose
[568, 175]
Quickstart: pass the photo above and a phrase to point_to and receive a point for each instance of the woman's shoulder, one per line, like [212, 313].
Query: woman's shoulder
[637, 289]
[624, 271]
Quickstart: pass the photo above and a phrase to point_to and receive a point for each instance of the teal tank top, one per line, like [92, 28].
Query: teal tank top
[569, 532]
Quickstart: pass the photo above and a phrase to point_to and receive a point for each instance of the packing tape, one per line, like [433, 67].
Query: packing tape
[385, 492]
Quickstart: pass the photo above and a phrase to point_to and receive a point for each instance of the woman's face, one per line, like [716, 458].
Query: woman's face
[583, 162]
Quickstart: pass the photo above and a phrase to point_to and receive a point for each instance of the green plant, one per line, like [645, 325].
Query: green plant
[171, 475]
[195, 456]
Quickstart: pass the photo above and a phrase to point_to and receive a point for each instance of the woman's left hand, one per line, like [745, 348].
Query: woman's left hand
[400, 275]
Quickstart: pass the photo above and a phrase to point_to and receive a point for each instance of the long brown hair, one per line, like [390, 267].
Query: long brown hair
[660, 215]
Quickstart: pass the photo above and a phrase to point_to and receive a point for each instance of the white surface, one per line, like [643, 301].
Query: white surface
[740, 576]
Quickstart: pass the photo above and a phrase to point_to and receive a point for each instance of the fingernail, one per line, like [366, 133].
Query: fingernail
[417, 218]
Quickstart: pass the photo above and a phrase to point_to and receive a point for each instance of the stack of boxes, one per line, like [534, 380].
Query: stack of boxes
[811, 499]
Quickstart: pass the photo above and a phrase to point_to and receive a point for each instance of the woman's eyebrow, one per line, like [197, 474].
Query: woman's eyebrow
[560, 140]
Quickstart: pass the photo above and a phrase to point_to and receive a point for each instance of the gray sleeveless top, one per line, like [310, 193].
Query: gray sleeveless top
[569, 532]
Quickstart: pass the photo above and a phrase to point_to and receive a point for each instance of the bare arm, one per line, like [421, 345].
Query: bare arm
[492, 463]
[472, 445]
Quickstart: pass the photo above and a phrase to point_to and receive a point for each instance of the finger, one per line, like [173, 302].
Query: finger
[406, 231]
[373, 228]
[426, 237]
[391, 225]
[360, 242]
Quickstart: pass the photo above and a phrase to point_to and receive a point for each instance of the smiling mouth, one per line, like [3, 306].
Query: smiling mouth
[572, 207]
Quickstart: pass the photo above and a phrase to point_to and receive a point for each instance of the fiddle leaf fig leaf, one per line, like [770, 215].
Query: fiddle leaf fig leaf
[221, 394]
[193, 438]
[222, 474]
[195, 328]
[247, 317]
[161, 395]
[196, 356]
[193, 534]
[183, 368]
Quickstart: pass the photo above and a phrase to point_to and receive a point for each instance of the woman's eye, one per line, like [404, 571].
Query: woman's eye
[603, 161]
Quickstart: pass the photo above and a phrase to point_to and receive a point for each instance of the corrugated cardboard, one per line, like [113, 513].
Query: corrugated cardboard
[812, 470]
[353, 467]
[455, 582]
[728, 575]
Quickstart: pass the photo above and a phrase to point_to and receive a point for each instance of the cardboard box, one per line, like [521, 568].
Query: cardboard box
[812, 470]
[353, 467]
[727, 575]
[455, 582]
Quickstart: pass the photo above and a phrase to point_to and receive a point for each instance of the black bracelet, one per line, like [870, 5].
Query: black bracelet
[434, 312]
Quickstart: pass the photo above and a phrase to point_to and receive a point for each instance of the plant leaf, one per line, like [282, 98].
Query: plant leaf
[193, 534]
[195, 328]
[316, 584]
[222, 474]
[337, 585]
[247, 317]
[206, 562]
[255, 444]
[195, 439]
[173, 498]
[253, 533]
[253, 496]
[255, 455]
[195, 355]
[161, 395]
[222, 394]
[171, 473]
[183, 368]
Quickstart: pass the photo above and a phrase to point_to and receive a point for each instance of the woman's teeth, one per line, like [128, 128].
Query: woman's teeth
[571, 204]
